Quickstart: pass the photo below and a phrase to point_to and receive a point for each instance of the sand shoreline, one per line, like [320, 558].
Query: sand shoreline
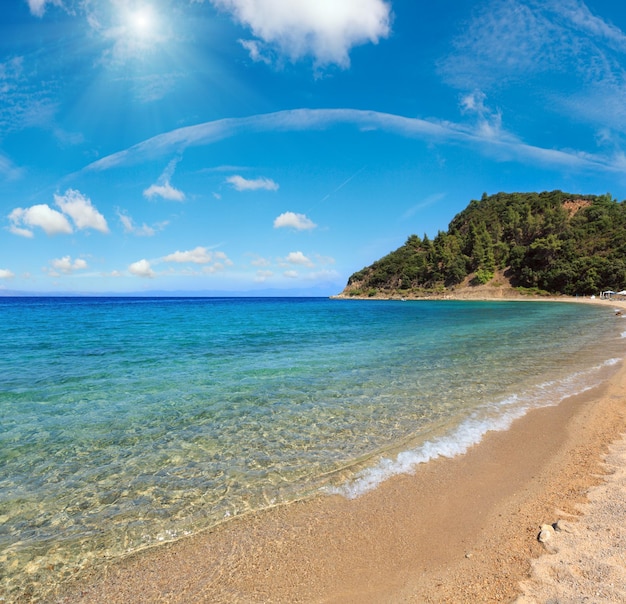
[458, 530]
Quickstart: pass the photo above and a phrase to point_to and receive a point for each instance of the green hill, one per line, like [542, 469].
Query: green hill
[553, 242]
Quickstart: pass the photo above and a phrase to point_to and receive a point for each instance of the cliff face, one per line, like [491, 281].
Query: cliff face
[553, 242]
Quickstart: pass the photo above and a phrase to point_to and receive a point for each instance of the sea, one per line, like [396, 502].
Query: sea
[130, 422]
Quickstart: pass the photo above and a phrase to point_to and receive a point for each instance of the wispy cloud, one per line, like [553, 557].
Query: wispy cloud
[260, 261]
[489, 122]
[8, 169]
[342, 185]
[5, 273]
[199, 255]
[584, 20]
[38, 7]
[245, 184]
[554, 44]
[25, 103]
[324, 30]
[262, 276]
[425, 203]
[505, 146]
[163, 188]
[152, 87]
[144, 230]
[505, 40]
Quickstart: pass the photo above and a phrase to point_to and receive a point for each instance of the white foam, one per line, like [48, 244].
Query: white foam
[469, 433]
[472, 430]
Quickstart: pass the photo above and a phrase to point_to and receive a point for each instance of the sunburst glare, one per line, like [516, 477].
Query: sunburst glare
[138, 31]
[142, 21]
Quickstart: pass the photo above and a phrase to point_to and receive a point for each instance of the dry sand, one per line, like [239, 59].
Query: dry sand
[457, 530]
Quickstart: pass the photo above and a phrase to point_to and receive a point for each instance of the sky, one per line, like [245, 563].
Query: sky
[257, 147]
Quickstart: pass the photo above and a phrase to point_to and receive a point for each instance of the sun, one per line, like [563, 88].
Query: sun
[142, 21]
[138, 31]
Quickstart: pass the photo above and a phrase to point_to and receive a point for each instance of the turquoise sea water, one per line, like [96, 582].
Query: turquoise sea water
[128, 422]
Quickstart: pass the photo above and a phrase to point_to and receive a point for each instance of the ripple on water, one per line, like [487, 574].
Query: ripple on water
[127, 423]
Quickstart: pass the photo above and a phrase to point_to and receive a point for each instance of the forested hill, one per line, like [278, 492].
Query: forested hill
[553, 241]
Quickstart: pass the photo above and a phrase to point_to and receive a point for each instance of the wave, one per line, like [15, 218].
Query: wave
[497, 416]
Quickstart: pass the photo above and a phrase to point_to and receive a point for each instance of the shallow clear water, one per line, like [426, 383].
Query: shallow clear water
[127, 422]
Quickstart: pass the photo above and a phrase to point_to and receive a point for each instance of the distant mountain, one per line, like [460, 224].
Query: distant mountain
[552, 242]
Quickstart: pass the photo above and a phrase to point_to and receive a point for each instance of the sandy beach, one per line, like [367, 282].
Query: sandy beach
[457, 530]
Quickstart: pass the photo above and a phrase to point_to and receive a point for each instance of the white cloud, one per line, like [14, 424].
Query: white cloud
[291, 274]
[324, 29]
[21, 232]
[163, 188]
[212, 261]
[38, 7]
[73, 204]
[5, 273]
[66, 266]
[258, 261]
[141, 268]
[489, 123]
[255, 50]
[295, 221]
[199, 255]
[243, 184]
[81, 210]
[298, 258]
[23, 220]
[166, 191]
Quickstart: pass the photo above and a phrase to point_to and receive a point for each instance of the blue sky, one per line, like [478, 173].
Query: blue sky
[281, 145]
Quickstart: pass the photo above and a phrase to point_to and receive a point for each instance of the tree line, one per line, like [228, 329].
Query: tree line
[556, 242]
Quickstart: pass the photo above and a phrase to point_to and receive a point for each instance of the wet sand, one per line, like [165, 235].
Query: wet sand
[457, 530]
